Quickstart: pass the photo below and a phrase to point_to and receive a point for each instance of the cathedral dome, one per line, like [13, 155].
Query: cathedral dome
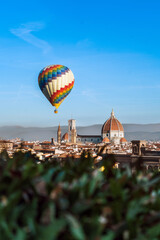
[105, 140]
[65, 137]
[112, 124]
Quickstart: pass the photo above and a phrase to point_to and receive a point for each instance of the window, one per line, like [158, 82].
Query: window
[135, 149]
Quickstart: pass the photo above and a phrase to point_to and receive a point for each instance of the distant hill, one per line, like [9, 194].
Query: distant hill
[132, 131]
[155, 127]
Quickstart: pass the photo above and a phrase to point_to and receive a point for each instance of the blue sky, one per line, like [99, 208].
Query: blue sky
[112, 47]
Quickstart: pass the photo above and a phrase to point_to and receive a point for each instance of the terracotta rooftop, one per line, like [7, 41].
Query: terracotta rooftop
[5, 141]
[46, 142]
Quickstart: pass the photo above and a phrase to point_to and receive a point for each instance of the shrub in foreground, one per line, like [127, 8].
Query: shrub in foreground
[73, 199]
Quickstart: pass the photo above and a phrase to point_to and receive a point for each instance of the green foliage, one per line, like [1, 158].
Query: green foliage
[74, 200]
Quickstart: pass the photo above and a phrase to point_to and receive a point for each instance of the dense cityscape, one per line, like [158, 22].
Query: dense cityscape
[71, 144]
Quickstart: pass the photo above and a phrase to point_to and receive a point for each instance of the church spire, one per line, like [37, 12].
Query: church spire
[59, 128]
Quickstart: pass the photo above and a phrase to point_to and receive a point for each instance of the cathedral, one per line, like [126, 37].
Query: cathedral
[112, 132]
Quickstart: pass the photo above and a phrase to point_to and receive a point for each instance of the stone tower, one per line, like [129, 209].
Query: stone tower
[138, 146]
[72, 134]
[59, 135]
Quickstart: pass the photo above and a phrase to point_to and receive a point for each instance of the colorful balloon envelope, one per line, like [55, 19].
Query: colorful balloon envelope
[56, 82]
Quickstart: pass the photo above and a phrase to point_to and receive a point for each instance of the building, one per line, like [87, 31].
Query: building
[89, 138]
[149, 159]
[6, 145]
[112, 132]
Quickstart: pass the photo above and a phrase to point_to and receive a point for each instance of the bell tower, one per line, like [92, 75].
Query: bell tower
[59, 135]
[72, 134]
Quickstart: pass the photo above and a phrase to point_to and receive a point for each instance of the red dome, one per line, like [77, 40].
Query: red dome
[123, 140]
[105, 140]
[65, 137]
[112, 124]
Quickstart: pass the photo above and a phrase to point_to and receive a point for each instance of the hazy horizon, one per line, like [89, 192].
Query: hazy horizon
[64, 125]
[131, 131]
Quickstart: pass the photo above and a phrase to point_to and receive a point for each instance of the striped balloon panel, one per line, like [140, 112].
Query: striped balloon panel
[56, 82]
[62, 93]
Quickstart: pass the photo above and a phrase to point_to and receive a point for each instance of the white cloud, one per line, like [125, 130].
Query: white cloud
[24, 31]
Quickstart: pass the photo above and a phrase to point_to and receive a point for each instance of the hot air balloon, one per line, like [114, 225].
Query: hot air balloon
[56, 82]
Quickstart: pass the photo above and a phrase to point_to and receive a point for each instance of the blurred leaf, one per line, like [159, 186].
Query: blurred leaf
[75, 227]
[48, 175]
[154, 232]
[51, 231]
[134, 209]
[21, 235]
[109, 236]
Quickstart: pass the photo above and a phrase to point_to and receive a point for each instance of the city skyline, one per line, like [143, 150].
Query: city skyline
[111, 48]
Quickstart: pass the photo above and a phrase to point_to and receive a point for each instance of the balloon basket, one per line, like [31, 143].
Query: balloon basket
[55, 111]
